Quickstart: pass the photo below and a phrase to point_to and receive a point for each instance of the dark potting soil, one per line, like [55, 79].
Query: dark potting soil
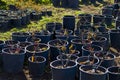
[94, 72]
[87, 62]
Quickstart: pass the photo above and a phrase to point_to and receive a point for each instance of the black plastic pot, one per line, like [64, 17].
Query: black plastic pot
[78, 44]
[84, 75]
[85, 26]
[117, 23]
[16, 21]
[86, 58]
[36, 16]
[65, 57]
[108, 20]
[69, 22]
[24, 19]
[84, 1]
[20, 36]
[85, 18]
[115, 12]
[54, 51]
[4, 25]
[56, 3]
[61, 32]
[107, 11]
[64, 37]
[114, 73]
[100, 41]
[106, 62]
[106, 35]
[64, 3]
[10, 43]
[44, 36]
[114, 38]
[36, 68]
[13, 62]
[2, 43]
[73, 4]
[58, 26]
[33, 39]
[97, 19]
[86, 51]
[50, 26]
[63, 73]
[23, 45]
[31, 48]
[102, 28]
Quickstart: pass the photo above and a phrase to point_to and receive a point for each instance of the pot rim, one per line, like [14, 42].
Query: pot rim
[29, 59]
[92, 51]
[87, 57]
[80, 68]
[15, 34]
[63, 68]
[112, 67]
[65, 55]
[38, 51]
[107, 59]
[57, 46]
[3, 51]
[105, 39]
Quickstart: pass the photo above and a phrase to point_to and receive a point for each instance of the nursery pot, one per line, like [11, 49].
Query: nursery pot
[64, 3]
[13, 62]
[54, 47]
[56, 3]
[78, 44]
[66, 56]
[50, 26]
[87, 60]
[20, 36]
[114, 73]
[59, 73]
[117, 23]
[33, 39]
[108, 20]
[114, 38]
[1, 45]
[108, 61]
[58, 26]
[98, 18]
[87, 73]
[107, 11]
[37, 67]
[69, 22]
[10, 43]
[42, 50]
[62, 32]
[86, 51]
[100, 41]
[85, 18]
[45, 36]
[73, 3]
[23, 45]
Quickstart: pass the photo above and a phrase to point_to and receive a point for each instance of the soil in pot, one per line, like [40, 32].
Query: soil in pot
[62, 73]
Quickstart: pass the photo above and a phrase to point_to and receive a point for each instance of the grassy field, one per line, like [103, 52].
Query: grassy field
[58, 14]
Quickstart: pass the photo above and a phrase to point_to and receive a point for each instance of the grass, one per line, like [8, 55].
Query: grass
[58, 14]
